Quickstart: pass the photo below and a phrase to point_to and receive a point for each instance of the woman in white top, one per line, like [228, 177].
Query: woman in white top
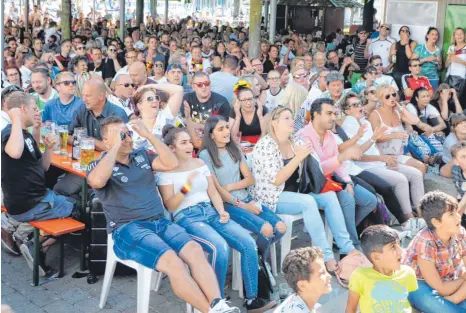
[398, 184]
[456, 62]
[189, 194]
[147, 107]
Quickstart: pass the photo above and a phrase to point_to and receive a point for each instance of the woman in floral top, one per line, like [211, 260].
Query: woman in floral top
[277, 157]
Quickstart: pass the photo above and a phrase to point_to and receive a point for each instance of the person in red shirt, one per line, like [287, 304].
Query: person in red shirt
[413, 81]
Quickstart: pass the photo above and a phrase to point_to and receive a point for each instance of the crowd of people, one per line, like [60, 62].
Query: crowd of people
[204, 148]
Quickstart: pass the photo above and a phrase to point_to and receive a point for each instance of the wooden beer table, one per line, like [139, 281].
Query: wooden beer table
[65, 162]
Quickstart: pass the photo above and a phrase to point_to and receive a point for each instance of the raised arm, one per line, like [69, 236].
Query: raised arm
[15, 144]
[175, 96]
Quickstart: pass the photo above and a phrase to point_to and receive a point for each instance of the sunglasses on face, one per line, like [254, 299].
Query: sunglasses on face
[153, 98]
[126, 85]
[390, 95]
[385, 27]
[378, 64]
[202, 84]
[68, 82]
[300, 76]
[404, 31]
[129, 133]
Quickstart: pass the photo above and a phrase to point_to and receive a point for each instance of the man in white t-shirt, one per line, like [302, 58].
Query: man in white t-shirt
[317, 90]
[381, 46]
[382, 79]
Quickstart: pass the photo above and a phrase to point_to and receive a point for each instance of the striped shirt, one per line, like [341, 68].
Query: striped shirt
[359, 57]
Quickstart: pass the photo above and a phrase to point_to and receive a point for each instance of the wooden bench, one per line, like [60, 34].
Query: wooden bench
[56, 228]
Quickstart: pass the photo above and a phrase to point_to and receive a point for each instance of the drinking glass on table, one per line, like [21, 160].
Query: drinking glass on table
[80, 132]
[87, 152]
[51, 127]
[63, 132]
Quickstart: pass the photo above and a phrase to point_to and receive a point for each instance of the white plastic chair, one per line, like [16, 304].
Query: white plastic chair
[237, 275]
[286, 239]
[147, 279]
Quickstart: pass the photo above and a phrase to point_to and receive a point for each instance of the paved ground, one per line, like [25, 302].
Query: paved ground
[77, 296]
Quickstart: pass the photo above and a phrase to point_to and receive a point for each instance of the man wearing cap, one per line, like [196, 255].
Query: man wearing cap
[381, 46]
[457, 134]
[174, 76]
[414, 80]
[359, 54]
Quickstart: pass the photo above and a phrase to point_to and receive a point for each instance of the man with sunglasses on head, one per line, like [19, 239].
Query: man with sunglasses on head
[174, 76]
[414, 80]
[381, 46]
[60, 110]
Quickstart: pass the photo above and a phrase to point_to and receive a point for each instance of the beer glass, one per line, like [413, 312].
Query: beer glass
[63, 133]
[87, 152]
[51, 127]
[80, 132]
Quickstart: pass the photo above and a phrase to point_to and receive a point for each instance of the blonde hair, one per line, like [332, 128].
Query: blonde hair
[293, 63]
[381, 90]
[273, 116]
[293, 97]
[453, 41]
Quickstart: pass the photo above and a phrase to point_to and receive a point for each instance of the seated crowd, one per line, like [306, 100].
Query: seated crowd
[205, 149]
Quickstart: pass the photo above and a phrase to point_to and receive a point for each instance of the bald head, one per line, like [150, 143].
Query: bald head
[137, 72]
[94, 94]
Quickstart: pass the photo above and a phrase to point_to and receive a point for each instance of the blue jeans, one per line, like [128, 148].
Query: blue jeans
[146, 241]
[427, 300]
[292, 203]
[202, 222]
[334, 214]
[254, 223]
[434, 83]
[355, 209]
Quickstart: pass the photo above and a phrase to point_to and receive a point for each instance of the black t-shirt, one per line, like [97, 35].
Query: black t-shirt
[107, 68]
[269, 66]
[291, 184]
[23, 179]
[200, 112]
[253, 129]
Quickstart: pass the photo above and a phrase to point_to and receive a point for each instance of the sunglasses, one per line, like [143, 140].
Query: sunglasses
[129, 133]
[6, 91]
[385, 27]
[390, 95]
[378, 64]
[68, 82]
[404, 31]
[202, 84]
[300, 76]
[126, 85]
[153, 98]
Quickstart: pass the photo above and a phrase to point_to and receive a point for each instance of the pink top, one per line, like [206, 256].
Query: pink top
[328, 152]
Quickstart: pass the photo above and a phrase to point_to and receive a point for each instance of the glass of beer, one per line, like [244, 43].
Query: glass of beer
[87, 152]
[63, 133]
[51, 127]
[80, 132]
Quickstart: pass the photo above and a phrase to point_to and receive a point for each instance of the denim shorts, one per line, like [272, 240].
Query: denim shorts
[146, 241]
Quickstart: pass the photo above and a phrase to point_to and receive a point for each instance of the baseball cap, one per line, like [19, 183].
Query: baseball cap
[174, 65]
[455, 119]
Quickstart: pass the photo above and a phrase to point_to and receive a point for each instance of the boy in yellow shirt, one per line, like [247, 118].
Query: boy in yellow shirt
[384, 287]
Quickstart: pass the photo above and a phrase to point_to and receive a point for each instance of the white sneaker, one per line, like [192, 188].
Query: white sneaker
[223, 307]
[413, 226]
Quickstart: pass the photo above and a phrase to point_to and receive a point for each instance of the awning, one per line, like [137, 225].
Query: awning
[323, 3]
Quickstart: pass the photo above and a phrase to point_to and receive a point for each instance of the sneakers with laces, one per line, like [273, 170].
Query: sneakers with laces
[223, 307]
[413, 226]
[9, 244]
[259, 305]
[27, 250]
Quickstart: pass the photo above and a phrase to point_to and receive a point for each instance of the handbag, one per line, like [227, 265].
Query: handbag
[348, 265]
[331, 185]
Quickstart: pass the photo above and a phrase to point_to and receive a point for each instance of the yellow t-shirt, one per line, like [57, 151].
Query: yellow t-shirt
[383, 294]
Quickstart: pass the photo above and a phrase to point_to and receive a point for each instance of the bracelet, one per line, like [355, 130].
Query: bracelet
[185, 189]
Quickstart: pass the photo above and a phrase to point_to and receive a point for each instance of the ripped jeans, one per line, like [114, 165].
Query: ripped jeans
[254, 223]
[202, 222]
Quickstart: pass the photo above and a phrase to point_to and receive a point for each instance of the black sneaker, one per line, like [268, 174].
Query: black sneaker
[27, 249]
[463, 221]
[259, 305]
